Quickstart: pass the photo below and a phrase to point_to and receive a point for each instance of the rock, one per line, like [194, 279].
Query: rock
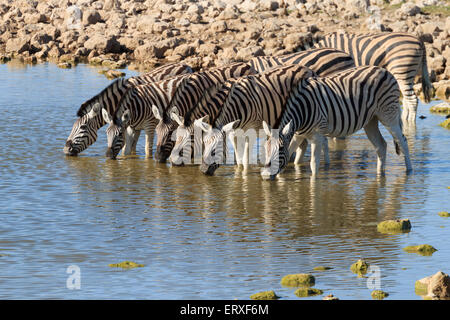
[443, 107]
[126, 265]
[297, 280]
[307, 292]
[394, 226]
[265, 295]
[245, 54]
[431, 28]
[379, 295]
[91, 17]
[219, 26]
[113, 74]
[35, 18]
[17, 45]
[64, 65]
[437, 64]
[436, 286]
[423, 249]
[444, 214]
[443, 89]
[360, 267]
[321, 268]
[4, 58]
[407, 9]
[103, 44]
[330, 297]
[155, 49]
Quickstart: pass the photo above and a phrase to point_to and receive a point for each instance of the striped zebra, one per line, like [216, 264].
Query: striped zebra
[90, 120]
[187, 96]
[134, 113]
[252, 99]
[338, 106]
[324, 61]
[402, 54]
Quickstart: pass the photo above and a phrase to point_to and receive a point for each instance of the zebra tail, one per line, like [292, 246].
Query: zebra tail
[427, 86]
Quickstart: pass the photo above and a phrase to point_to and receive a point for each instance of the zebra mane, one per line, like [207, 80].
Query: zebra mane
[119, 110]
[87, 105]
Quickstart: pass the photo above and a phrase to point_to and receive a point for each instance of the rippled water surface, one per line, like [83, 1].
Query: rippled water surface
[221, 237]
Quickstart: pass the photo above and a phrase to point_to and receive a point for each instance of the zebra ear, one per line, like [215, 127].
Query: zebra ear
[175, 116]
[106, 116]
[230, 126]
[267, 129]
[287, 128]
[126, 117]
[95, 110]
[156, 112]
[200, 123]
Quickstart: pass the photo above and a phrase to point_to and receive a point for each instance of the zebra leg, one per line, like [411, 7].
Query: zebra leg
[326, 154]
[300, 152]
[410, 103]
[129, 134]
[294, 146]
[316, 146]
[149, 143]
[377, 140]
[246, 155]
[135, 138]
[234, 141]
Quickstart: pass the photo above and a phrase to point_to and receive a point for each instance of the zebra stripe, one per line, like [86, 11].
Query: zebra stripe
[402, 54]
[323, 61]
[186, 97]
[84, 130]
[135, 113]
[252, 99]
[338, 106]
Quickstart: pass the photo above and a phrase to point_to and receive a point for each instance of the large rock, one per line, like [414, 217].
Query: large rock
[91, 17]
[103, 44]
[436, 286]
[407, 9]
[250, 52]
[18, 45]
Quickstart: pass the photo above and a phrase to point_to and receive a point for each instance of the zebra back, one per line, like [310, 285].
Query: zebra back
[193, 87]
[323, 61]
[161, 73]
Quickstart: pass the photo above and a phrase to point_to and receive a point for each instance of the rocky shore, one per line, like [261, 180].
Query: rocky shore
[145, 33]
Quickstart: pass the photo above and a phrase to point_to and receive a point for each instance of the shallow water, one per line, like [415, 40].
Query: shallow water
[221, 237]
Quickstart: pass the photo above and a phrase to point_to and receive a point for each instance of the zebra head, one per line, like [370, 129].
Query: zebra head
[164, 131]
[115, 132]
[214, 141]
[181, 152]
[276, 150]
[84, 132]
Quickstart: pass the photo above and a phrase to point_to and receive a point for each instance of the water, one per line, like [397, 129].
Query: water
[221, 237]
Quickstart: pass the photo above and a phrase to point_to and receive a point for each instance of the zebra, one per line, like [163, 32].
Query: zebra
[90, 120]
[252, 99]
[187, 95]
[402, 54]
[208, 109]
[338, 106]
[134, 112]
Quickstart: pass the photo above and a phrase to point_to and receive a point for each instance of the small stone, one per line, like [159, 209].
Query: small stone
[394, 226]
[321, 268]
[443, 107]
[330, 297]
[65, 65]
[446, 125]
[423, 249]
[126, 265]
[444, 214]
[297, 280]
[307, 292]
[265, 295]
[379, 295]
[359, 267]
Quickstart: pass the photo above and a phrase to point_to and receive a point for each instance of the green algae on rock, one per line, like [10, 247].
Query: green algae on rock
[307, 292]
[264, 295]
[379, 295]
[445, 124]
[444, 214]
[423, 249]
[126, 265]
[394, 226]
[297, 280]
[359, 267]
[321, 268]
[421, 287]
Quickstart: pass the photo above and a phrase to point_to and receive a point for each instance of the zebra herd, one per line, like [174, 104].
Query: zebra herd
[339, 84]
